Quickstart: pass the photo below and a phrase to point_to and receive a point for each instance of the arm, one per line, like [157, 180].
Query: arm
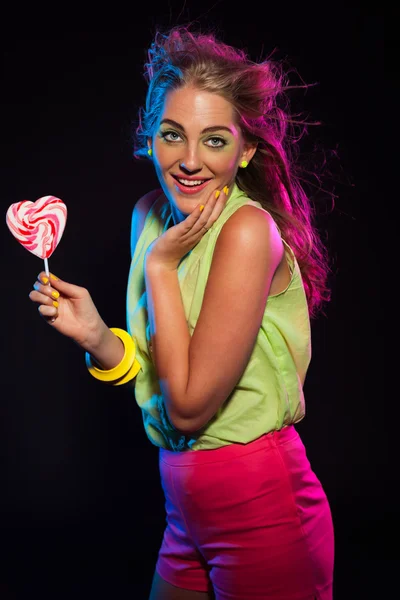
[74, 314]
[198, 373]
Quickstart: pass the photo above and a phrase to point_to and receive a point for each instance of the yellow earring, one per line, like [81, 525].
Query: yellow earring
[244, 164]
[150, 152]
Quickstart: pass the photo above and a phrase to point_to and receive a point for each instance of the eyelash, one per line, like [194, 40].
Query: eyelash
[164, 135]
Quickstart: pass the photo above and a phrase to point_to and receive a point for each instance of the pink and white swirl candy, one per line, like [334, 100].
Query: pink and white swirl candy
[39, 225]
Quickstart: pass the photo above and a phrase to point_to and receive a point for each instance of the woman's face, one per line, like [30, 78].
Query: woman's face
[197, 148]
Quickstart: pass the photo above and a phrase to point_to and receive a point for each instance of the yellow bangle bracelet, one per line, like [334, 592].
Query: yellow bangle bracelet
[131, 374]
[122, 369]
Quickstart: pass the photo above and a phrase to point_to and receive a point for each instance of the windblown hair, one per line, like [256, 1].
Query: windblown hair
[257, 91]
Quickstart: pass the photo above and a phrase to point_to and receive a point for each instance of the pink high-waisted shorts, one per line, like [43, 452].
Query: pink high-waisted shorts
[251, 522]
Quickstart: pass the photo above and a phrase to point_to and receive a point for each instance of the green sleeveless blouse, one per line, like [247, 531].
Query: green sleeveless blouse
[269, 394]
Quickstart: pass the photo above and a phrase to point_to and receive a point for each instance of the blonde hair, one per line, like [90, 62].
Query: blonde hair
[258, 93]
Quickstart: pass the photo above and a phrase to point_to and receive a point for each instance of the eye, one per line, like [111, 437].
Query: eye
[170, 136]
[215, 142]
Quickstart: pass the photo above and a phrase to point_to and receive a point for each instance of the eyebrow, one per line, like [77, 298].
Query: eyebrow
[206, 130]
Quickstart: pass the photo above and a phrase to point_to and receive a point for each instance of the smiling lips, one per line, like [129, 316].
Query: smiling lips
[190, 185]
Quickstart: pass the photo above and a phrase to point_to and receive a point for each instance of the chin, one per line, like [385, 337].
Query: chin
[185, 207]
[185, 203]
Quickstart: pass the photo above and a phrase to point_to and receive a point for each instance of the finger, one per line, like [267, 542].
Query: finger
[48, 308]
[212, 210]
[67, 289]
[40, 298]
[218, 206]
[218, 198]
[50, 313]
[204, 216]
[189, 224]
[46, 290]
[225, 191]
[204, 211]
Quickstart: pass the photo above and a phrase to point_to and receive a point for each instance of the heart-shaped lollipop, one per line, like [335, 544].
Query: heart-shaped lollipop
[39, 225]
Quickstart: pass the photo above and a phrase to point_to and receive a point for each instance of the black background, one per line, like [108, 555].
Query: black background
[82, 511]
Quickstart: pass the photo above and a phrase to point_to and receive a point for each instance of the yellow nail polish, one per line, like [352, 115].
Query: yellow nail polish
[201, 207]
[226, 190]
[55, 294]
[53, 277]
[217, 193]
[55, 304]
[45, 280]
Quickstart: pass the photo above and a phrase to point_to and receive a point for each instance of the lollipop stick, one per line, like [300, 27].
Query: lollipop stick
[46, 268]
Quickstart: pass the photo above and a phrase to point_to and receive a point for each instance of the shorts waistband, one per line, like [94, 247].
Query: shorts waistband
[235, 450]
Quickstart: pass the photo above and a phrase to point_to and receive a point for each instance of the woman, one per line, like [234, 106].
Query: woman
[227, 269]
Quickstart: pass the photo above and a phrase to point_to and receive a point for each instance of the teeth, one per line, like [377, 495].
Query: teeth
[191, 182]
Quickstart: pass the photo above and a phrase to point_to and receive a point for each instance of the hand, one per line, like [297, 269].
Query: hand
[69, 309]
[168, 249]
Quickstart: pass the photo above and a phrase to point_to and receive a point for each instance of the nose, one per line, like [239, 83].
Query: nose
[191, 163]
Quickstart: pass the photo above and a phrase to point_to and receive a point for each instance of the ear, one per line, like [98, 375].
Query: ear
[248, 152]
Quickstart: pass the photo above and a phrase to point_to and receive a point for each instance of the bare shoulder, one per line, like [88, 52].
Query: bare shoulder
[139, 214]
[145, 202]
[251, 225]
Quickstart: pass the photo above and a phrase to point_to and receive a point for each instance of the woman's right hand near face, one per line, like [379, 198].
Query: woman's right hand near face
[69, 309]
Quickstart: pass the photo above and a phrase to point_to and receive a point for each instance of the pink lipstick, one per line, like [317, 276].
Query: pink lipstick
[192, 188]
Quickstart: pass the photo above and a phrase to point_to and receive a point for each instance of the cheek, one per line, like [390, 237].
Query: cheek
[226, 161]
[164, 155]
[158, 156]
